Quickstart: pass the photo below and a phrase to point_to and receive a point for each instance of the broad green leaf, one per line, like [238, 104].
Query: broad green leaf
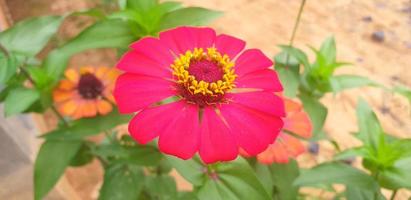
[103, 34]
[328, 50]
[88, 126]
[398, 176]
[20, 99]
[161, 187]
[30, 36]
[263, 174]
[353, 152]
[83, 156]
[141, 5]
[51, 161]
[182, 195]
[283, 176]
[136, 154]
[354, 193]
[404, 91]
[192, 170]
[8, 67]
[288, 71]
[122, 182]
[40, 78]
[336, 173]
[342, 82]
[317, 112]
[370, 130]
[233, 180]
[297, 54]
[192, 16]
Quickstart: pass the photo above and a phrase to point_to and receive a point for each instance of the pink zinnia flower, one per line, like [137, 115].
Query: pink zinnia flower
[225, 96]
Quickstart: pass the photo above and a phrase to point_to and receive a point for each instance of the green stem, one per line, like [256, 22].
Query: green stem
[297, 22]
[55, 111]
[4, 50]
[394, 193]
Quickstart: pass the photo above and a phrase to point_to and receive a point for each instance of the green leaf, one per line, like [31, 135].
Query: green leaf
[193, 16]
[88, 126]
[141, 5]
[30, 36]
[51, 161]
[103, 34]
[8, 67]
[370, 129]
[161, 187]
[234, 180]
[404, 91]
[288, 72]
[336, 173]
[317, 112]
[122, 182]
[354, 193]
[283, 176]
[93, 12]
[19, 99]
[40, 77]
[328, 50]
[398, 176]
[263, 174]
[297, 54]
[342, 82]
[192, 170]
[83, 156]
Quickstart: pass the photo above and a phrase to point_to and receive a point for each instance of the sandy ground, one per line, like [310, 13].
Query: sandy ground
[266, 23]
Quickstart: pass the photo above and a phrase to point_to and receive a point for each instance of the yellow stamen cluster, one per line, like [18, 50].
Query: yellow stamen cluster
[194, 86]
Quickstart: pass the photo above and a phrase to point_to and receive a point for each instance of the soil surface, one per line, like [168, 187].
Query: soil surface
[373, 35]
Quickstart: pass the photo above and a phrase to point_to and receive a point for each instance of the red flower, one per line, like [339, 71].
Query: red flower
[224, 96]
[287, 146]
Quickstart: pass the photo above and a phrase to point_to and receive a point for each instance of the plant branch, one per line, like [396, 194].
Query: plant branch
[296, 23]
[4, 50]
[394, 193]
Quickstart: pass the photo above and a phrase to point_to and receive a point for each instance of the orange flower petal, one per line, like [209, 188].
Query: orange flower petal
[299, 124]
[68, 107]
[266, 157]
[66, 85]
[291, 106]
[72, 75]
[87, 69]
[61, 95]
[101, 72]
[104, 107]
[279, 152]
[293, 145]
[89, 109]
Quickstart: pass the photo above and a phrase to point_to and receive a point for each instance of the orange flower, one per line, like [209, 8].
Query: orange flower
[85, 92]
[287, 146]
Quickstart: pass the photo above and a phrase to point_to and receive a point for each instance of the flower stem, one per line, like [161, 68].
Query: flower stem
[296, 23]
[394, 193]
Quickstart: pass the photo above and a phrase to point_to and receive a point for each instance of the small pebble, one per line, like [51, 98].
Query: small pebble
[367, 19]
[314, 148]
[378, 36]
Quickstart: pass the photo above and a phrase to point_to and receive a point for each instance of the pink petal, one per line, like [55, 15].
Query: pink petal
[148, 123]
[134, 92]
[229, 45]
[138, 63]
[253, 129]
[217, 143]
[265, 79]
[181, 135]
[251, 60]
[181, 39]
[266, 102]
[154, 49]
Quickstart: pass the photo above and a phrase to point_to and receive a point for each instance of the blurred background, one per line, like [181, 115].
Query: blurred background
[373, 35]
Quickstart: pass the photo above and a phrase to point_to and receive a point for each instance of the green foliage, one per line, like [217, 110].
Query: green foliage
[122, 182]
[234, 180]
[20, 99]
[88, 126]
[334, 172]
[188, 16]
[9, 65]
[51, 161]
[161, 187]
[19, 39]
[317, 112]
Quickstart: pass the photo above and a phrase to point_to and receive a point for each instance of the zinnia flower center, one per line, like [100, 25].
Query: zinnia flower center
[203, 77]
[89, 86]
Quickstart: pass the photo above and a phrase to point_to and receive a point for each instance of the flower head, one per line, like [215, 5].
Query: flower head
[223, 96]
[85, 92]
[287, 146]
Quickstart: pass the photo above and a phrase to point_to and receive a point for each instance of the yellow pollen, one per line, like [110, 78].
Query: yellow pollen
[194, 86]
